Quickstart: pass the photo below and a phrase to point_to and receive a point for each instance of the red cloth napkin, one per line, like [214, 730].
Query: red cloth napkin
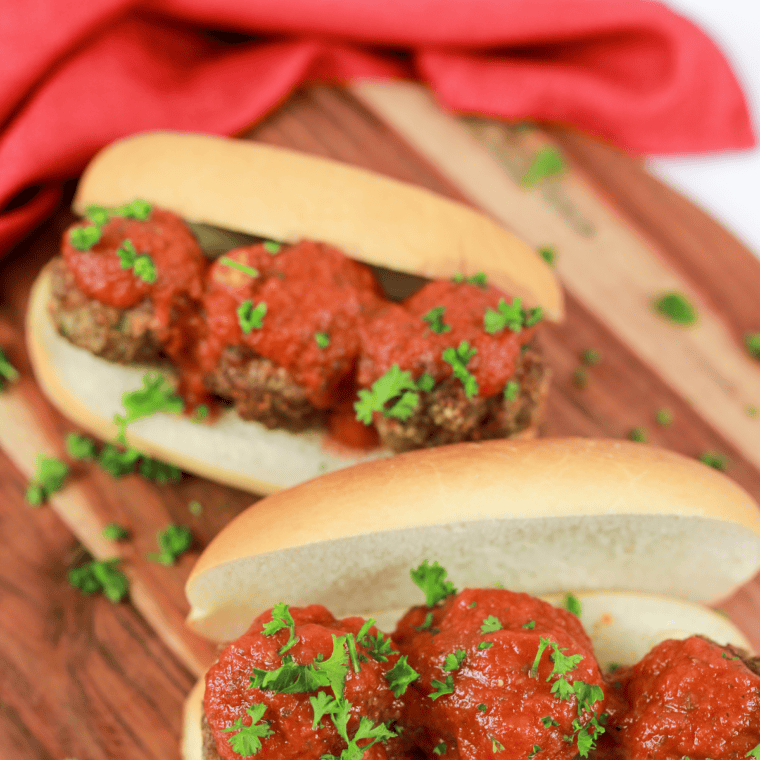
[76, 75]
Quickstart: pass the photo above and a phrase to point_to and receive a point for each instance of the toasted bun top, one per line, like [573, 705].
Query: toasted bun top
[541, 516]
[285, 195]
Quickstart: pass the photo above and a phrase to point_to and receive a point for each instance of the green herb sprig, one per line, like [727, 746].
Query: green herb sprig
[50, 477]
[173, 541]
[458, 358]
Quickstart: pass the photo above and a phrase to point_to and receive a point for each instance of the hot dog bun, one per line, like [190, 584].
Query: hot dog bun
[284, 195]
[552, 515]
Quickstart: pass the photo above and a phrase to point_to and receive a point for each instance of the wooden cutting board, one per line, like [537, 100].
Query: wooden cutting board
[621, 239]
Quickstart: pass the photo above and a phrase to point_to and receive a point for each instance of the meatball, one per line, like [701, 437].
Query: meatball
[119, 335]
[118, 310]
[500, 672]
[689, 698]
[283, 324]
[307, 687]
[469, 358]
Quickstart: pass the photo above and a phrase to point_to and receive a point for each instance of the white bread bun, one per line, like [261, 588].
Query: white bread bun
[286, 195]
[553, 515]
[623, 627]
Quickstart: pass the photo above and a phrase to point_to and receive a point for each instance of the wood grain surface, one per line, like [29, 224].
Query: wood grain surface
[81, 677]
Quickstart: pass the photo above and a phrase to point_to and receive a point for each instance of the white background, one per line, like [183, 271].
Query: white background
[727, 185]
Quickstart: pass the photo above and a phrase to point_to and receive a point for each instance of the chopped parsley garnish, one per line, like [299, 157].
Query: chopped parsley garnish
[426, 382]
[50, 477]
[496, 745]
[479, 278]
[379, 732]
[247, 740]
[173, 541]
[98, 215]
[755, 752]
[580, 378]
[458, 359]
[322, 704]
[434, 318]
[715, 460]
[534, 751]
[482, 707]
[432, 580]
[426, 623]
[454, 660]
[752, 411]
[156, 395]
[322, 339]
[675, 307]
[83, 238]
[161, 472]
[8, 373]
[440, 748]
[250, 271]
[491, 624]
[117, 461]
[270, 246]
[400, 676]
[547, 162]
[195, 508]
[250, 316]
[200, 414]
[511, 316]
[752, 344]
[394, 384]
[573, 604]
[137, 209]
[663, 417]
[442, 688]
[530, 625]
[638, 434]
[81, 446]
[115, 532]
[100, 576]
[511, 390]
[548, 721]
[140, 263]
[485, 645]
[591, 357]
[281, 619]
[548, 254]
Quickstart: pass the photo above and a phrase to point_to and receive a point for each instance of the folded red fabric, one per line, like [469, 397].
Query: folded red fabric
[76, 76]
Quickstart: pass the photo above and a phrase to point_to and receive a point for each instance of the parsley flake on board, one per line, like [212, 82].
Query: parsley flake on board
[81, 446]
[715, 460]
[676, 308]
[118, 461]
[546, 163]
[50, 477]
[394, 384]
[458, 359]
[247, 740]
[548, 254]
[432, 580]
[115, 532]
[156, 395]
[8, 373]
[173, 541]
[663, 417]
[434, 319]
[228, 262]
[100, 576]
[140, 263]
[638, 434]
[160, 472]
[250, 316]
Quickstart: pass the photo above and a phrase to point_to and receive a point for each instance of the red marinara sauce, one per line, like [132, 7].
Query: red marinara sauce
[398, 334]
[315, 299]
[291, 715]
[688, 698]
[498, 704]
[179, 261]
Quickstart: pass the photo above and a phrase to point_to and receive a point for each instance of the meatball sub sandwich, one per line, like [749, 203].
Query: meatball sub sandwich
[341, 314]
